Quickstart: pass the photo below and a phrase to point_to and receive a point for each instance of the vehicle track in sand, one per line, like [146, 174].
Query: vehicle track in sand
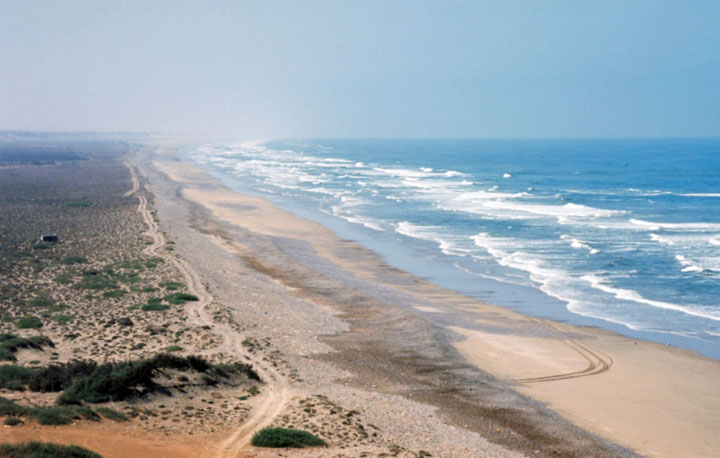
[276, 394]
[597, 362]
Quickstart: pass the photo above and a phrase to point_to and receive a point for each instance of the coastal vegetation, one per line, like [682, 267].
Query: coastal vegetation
[286, 437]
[44, 450]
[11, 343]
[91, 382]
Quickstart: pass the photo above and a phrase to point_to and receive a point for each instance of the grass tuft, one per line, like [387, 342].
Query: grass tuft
[29, 322]
[155, 307]
[111, 414]
[285, 437]
[180, 298]
[44, 450]
[10, 344]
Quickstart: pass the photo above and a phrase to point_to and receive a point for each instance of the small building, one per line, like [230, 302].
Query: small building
[49, 238]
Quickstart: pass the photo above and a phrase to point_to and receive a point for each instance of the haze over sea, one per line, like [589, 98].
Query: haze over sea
[621, 234]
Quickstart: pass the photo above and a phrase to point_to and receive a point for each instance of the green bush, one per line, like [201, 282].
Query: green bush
[41, 301]
[70, 260]
[10, 344]
[114, 293]
[285, 437]
[180, 298]
[171, 285]
[90, 382]
[96, 283]
[155, 307]
[29, 322]
[44, 450]
[62, 319]
[55, 415]
[111, 414]
[13, 421]
[173, 348]
[10, 408]
[152, 262]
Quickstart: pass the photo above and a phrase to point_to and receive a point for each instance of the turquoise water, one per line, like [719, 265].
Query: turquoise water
[622, 234]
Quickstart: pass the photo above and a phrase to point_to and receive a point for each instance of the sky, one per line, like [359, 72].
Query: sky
[278, 69]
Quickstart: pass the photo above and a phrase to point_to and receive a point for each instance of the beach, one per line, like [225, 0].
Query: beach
[651, 398]
[369, 358]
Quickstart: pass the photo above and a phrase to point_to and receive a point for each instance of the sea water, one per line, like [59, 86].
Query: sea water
[621, 234]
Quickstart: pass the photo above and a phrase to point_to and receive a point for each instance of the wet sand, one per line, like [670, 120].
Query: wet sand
[657, 400]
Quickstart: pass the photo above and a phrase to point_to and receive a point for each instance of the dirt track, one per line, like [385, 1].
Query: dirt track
[275, 393]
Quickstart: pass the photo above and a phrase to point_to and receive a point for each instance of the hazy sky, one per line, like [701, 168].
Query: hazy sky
[258, 69]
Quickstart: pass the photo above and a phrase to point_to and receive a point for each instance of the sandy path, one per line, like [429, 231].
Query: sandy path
[276, 394]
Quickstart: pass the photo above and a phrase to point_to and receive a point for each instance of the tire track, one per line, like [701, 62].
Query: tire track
[597, 362]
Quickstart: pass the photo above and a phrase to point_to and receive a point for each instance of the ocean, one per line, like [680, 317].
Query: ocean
[619, 234]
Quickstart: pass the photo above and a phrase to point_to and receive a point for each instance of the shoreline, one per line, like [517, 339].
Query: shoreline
[524, 299]
[616, 401]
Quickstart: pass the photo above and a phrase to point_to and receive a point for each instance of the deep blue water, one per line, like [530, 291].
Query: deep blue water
[622, 234]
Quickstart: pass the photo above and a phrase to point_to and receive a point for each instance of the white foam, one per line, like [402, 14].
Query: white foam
[701, 194]
[714, 242]
[653, 226]
[689, 265]
[579, 244]
[430, 233]
[506, 175]
[564, 211]
[634, 296]
[660, 239]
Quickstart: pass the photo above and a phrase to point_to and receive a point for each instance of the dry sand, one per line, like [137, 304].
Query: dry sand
[657, 400]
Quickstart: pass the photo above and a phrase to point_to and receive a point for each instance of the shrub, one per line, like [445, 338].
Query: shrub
[41, 301]
[14, 377]
[44, 450]
[62, 319]
[56, 415]
[96, 283]
[111, 414]
[29, 322]
[10, 408]
[87, 381]
[172, 348]
[152, 262]
[10, 344]
[57, 377]
[180, 298]
[285, 437]
[13, 421]
[70, 260]
[155, 307]
[171, 285]
[114, 293]
[87, 413]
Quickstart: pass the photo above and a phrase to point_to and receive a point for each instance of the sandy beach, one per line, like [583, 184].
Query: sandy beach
[371, 359]
[654, 399]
